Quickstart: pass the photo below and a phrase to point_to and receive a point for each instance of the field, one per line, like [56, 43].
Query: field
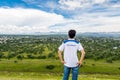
[39, 76]
[34, 57]
[50, 69]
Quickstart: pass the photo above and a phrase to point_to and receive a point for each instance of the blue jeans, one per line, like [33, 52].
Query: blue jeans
[67, 72]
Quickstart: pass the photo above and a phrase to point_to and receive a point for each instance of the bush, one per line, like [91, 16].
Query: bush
[51, 55]
[109, 60]
[50, 67]
[84, 63]
[1, 55]
[20, 57]
[15, 61]
[11, 55]
[41, 57]
[119, 68]
[93, 64]
[30, 56]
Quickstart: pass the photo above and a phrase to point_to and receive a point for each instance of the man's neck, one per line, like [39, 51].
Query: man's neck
[71, 38]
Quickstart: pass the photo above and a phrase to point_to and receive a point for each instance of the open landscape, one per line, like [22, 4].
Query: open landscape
[32, 30]
[34, 57]
[52, 70]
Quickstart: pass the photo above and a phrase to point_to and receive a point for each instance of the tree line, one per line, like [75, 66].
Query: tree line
[46, 46]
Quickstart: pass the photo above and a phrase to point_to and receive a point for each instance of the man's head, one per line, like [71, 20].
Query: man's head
[71, 33]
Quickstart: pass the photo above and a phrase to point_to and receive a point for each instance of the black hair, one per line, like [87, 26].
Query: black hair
[71, 33]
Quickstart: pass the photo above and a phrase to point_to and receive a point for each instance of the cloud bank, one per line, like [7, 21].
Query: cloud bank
[18, 20]
[33, 16]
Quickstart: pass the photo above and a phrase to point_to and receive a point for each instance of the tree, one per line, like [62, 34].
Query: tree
[109, 60]
[51, 55]
[30, 56]
[20, 57]
[1, 55]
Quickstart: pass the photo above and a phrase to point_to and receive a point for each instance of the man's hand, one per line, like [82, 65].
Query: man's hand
[82, 57]
[63, 62]
[60, 56]
[79, 63]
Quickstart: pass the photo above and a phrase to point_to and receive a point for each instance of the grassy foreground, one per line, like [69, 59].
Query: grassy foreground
[39, 76]
[34, 69]
[54, 66]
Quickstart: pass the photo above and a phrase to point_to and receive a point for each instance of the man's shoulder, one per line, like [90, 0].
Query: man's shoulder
[65, 41]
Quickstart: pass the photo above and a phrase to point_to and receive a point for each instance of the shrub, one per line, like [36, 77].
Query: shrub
[109, 60]
[30, 56]
[15, 61]
[84, 62]
[1, 55]
[20, 57]
[41, 57]
[11, 55]
[51, 55]
[50, 67]
[93, 64]
[119, 68]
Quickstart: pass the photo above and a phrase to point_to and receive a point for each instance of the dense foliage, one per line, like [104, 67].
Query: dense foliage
[46, 46]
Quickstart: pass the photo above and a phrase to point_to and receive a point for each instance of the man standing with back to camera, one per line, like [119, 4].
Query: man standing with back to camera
[70, 61]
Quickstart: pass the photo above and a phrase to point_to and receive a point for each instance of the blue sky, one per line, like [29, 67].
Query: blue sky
[31, 16]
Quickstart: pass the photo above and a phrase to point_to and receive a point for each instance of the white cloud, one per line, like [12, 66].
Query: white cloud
[52, 5]
[116, 6]
[95, 22]
[73, 4]
[18, 20]
[82, 4]
[98, 1]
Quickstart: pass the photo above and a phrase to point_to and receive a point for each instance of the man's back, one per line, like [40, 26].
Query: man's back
[70, 48]
[70, 61]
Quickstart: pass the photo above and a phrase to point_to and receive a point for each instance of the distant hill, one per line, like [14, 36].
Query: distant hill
[101, 34]
[86, 34]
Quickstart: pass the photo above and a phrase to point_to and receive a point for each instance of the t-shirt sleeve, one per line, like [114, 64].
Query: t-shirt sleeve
[80, 47]
[61, 47]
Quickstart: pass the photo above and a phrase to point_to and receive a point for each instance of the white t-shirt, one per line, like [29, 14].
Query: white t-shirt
[70, 48]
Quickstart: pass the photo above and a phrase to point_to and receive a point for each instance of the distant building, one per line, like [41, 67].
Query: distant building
[115, 47]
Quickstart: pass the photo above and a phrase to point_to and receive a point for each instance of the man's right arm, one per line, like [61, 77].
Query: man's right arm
[60, 57]
[82, 57]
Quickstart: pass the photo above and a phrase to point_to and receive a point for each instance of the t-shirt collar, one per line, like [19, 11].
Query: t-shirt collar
[71, 39]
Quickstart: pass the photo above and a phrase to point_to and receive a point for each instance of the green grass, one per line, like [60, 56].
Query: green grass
[39, 76]
[34, 69]
[101, 66]
[30, 65]
[35, 65]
